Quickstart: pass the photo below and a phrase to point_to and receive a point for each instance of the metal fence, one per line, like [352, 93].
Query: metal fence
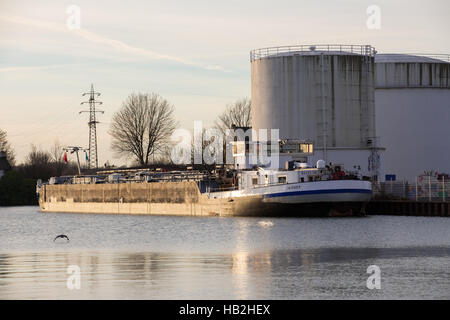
[421, 190]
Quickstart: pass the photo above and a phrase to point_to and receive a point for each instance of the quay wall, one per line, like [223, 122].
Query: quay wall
[409, 208]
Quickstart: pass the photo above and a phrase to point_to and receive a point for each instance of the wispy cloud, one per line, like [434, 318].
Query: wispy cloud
[34, 68]
[99, 39]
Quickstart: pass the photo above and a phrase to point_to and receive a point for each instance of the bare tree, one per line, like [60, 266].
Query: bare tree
[207, 144]
[38, 164]
[38, 156]
[6, 146]
[237, 113]
[56, 153]
[165, 155]
[142, 126]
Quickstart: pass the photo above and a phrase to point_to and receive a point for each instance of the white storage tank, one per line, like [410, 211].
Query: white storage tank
[321, 93]
[412, 103]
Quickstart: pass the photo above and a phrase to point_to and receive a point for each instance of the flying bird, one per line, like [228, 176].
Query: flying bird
[62, 236]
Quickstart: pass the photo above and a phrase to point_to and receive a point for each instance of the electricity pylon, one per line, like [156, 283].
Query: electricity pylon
[93, 160]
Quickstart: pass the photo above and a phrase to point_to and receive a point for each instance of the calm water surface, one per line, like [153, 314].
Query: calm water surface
[157, 257]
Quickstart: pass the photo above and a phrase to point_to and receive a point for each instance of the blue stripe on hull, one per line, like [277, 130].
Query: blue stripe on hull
[295, 193]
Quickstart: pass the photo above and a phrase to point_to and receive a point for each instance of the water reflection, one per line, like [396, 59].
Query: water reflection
[149, 257]
[284, 274]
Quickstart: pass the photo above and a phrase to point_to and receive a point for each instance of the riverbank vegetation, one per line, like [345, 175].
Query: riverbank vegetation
[15, 190]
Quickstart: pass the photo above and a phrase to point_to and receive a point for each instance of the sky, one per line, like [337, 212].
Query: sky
[193, 53]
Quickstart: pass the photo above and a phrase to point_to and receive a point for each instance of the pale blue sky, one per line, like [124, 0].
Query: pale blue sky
[194, 53]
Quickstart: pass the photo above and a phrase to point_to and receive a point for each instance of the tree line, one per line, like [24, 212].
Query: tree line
[18, 186]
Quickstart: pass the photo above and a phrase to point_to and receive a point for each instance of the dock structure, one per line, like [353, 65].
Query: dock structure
[408, 208]
[424, 197]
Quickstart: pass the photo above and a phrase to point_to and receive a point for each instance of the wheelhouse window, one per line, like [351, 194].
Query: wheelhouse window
[239, 147]
[306, 148]
[282, 179]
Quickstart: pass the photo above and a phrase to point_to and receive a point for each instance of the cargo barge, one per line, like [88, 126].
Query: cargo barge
[300, 191]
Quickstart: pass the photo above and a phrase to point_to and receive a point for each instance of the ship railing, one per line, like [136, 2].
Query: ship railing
[220, 189]
[256, 186]
[142, 178]
[264, 185]
[251, 187]
[176, 178]
[261, 53]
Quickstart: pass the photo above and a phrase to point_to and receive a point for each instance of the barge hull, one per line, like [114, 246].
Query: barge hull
[176, 198]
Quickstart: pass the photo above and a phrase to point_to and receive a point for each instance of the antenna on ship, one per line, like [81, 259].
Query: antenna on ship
[93, 160]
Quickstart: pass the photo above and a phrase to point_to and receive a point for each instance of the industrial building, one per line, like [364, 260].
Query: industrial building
[383, 114]
[412, 107]
[323, 94]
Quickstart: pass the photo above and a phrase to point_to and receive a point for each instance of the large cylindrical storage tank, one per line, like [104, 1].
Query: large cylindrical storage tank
[412, 103]
[320, 93]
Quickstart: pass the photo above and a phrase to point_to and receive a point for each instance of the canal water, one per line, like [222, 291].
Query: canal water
[158, 257]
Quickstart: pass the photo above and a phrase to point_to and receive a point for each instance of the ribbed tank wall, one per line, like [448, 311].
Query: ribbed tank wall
[412, 75]
[293, 92]
[412, 103]
[414, 127]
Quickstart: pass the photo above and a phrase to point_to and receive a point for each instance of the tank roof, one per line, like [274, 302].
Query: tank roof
[411, 58]
[332, 49]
